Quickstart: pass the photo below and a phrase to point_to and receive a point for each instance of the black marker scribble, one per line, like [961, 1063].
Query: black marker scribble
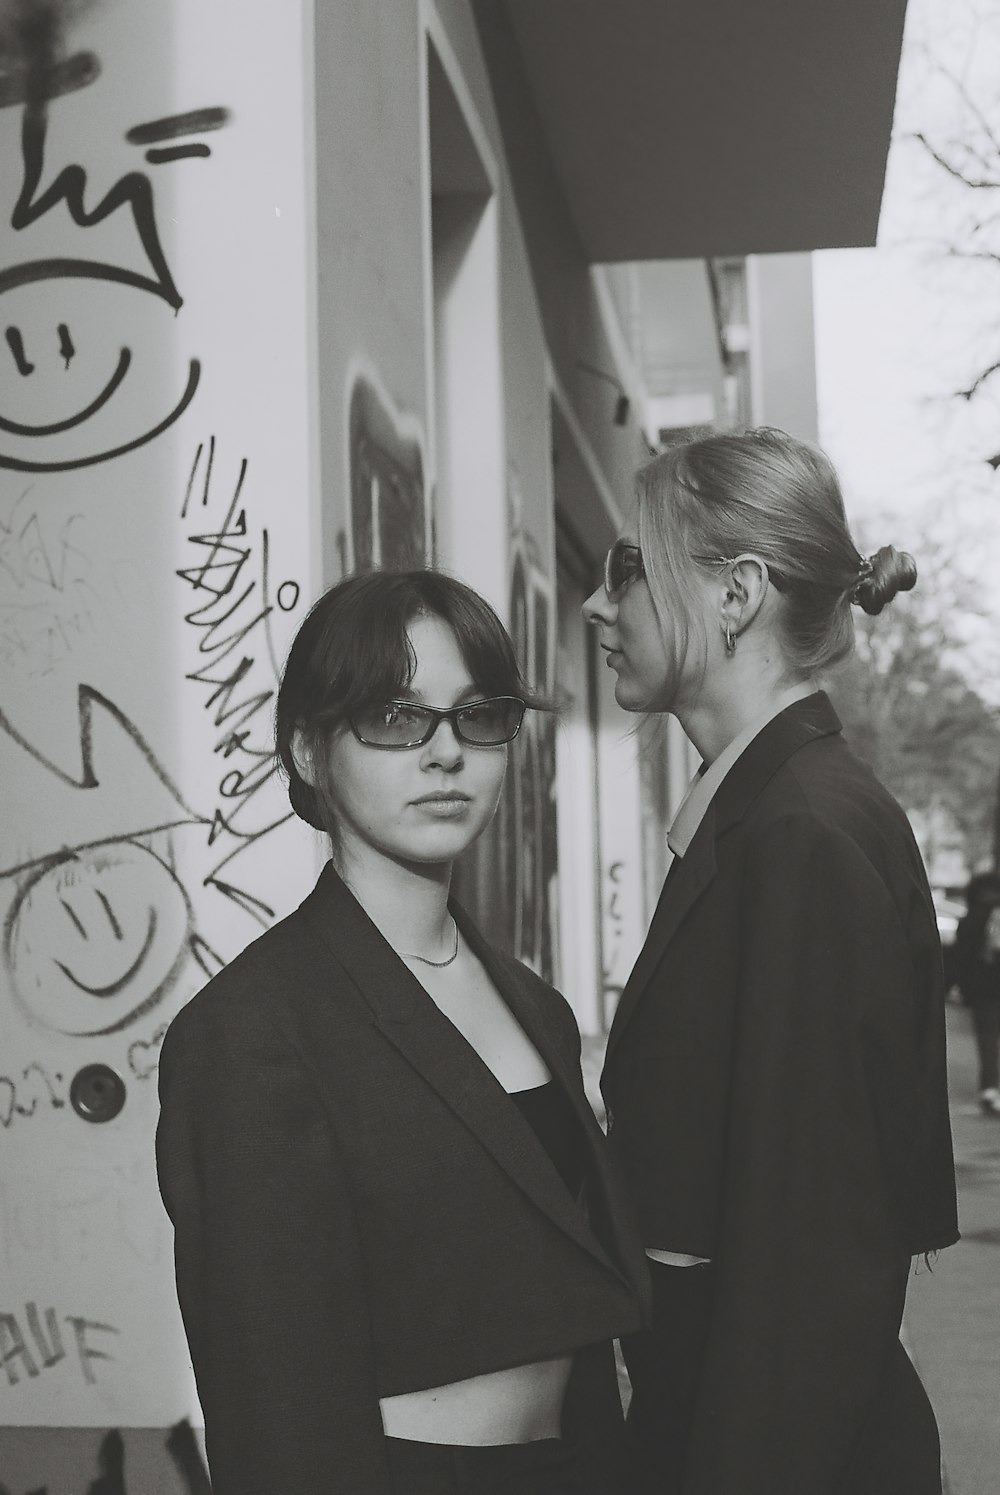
[29, 1094]
[232, 619]
[48, 601]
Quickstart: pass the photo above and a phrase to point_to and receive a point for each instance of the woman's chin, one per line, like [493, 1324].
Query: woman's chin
[433, 849]
[631, 699]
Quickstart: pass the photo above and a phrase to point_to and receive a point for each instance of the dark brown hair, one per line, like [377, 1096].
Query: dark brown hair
[352, 651]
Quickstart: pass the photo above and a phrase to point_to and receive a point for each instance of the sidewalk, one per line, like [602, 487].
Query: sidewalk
[953, 1312]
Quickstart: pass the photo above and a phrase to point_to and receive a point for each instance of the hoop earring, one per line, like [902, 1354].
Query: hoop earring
[731, 637]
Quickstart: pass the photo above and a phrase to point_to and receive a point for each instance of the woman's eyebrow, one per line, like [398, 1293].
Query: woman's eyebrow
[469, 693]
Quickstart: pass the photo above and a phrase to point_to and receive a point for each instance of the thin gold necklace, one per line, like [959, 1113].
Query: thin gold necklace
[439, 964]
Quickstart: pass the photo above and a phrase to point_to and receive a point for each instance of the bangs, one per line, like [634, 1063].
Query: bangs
[354, 651]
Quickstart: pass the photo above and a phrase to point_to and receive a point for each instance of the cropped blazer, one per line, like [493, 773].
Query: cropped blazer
[775, 1081]
[359, 1208]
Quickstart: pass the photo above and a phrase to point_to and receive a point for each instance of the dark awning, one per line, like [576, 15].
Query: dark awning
[685, 128]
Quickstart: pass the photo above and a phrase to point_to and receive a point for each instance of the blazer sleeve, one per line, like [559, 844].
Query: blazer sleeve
[811, 1270]
[269, 1269]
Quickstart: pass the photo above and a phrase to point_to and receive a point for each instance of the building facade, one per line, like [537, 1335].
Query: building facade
[282, 302]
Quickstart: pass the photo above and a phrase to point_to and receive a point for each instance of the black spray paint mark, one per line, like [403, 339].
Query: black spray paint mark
[16, 428]
[19, 1358]
[133, 191]
[194, 122]
[177, 153]
[86, 1350]
[15, 343]
[33, 68]
[66, 349]
[134, 194]
[64, 77]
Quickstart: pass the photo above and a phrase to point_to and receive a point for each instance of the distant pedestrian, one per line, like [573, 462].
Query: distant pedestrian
[775, 1076]
[402, 1254]
[975, 970]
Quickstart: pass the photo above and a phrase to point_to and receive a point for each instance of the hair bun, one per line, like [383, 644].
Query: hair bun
[884, 574]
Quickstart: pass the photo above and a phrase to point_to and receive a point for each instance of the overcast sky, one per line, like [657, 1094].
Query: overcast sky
[902, 326]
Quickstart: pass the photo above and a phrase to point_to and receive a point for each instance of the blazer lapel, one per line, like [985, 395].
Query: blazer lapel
[791, 729]
[433, 1046]
[795, 727]
[686, 880]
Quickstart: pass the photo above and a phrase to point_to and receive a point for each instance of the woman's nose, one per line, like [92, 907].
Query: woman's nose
[599, 608]
[445, 749]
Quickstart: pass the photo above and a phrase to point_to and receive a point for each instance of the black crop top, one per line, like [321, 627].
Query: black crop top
[548, 1112]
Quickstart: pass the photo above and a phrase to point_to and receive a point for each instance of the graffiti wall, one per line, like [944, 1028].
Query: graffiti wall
[155, 556]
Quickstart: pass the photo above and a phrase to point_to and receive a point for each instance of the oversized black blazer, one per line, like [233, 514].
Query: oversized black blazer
[775, 1080]
[359, 1209]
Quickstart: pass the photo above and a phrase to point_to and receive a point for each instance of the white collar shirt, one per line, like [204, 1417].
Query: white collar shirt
[705, 784]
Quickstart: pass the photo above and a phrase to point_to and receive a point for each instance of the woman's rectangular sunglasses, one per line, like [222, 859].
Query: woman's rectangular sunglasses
[622, 565]
[404, 724]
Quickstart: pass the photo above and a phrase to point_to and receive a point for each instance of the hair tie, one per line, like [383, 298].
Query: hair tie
[865, 571]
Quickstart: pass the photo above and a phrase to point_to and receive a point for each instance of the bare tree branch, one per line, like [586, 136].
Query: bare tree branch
[953, 252]
[967, 181]
[980, 379]
[970, 103]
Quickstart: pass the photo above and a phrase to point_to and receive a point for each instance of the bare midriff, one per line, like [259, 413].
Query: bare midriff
[518, 1405]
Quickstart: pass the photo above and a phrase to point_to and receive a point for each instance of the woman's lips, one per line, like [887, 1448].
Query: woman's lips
[444, 806]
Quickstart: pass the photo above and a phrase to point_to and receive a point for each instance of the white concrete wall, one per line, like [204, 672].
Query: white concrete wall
[157, 508]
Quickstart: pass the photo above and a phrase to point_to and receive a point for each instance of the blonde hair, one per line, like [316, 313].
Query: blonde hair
[767, 493]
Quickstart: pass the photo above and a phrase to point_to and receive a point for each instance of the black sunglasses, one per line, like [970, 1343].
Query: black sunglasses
[623, 565]
[404, 724]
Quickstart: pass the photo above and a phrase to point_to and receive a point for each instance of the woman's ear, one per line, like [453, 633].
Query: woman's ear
[302, 757]
[745, 582]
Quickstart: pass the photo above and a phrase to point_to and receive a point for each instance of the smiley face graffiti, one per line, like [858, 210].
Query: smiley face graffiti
[98, 396]
[96, 939]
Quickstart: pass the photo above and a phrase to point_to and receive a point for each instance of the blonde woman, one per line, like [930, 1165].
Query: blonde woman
[775, 1075]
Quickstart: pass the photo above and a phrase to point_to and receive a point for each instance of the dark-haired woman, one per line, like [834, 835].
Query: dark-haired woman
[775, 1075]
[401, 1255]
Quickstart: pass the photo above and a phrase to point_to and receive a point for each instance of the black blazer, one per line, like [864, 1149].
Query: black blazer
[359, 1208]
[776, 1085]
